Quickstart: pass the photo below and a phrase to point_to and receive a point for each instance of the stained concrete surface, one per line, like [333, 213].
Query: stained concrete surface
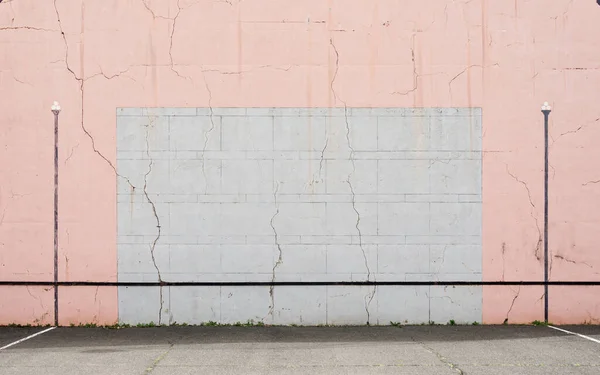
[488, 350]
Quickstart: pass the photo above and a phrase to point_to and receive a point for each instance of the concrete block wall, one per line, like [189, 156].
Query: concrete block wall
[299, 194]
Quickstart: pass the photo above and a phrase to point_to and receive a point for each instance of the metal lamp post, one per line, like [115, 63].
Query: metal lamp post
[546, 111]
[56, 111]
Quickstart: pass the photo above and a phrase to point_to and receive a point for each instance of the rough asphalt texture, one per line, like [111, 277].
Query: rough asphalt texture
[415, 350]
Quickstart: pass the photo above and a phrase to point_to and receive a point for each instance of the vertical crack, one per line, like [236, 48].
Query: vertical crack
[280, 257]
[82, 90]
[62, 33]
[357, 226]
[158, 226]
[171, 41]
[337, 67]
[512, 304]
[370, 296]
[37, 298]
[444, 255]
[3, 214]
[415, 74]
[322, 158]
[539, 243]
[207, 134]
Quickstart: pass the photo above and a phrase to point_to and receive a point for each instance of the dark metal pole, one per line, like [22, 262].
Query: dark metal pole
[546, 111]
[56, 111]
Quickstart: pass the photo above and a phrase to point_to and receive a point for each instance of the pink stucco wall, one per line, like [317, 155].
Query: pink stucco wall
[96, 55]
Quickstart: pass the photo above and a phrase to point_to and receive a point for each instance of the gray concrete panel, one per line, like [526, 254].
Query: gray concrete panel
[300, 194]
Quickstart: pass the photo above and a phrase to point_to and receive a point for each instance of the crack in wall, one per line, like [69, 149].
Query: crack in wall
[591, 182]
[438, 160]
[322, 157]
[158, 226]
[337, 67]
[174, 21]
[3, 214]
[557, 256]
[116, 75]
[66, 45]
[443, 259]
[171, 42]
[464, 71]
[34, 297]
[448, 297]
[357, 226]
[580, 127]
[66, 260]
[369, 297]
[27, 28]
[21, 82]
[82, 90]
[280, 257]
[71, 153]
[468, 68]
[512, 304]
[39, 299]
[539, 243]
[207, 134]
[415, 74]
[461, 73]
[154, 16]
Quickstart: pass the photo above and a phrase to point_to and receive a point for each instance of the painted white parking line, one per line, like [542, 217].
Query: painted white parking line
[26, 338]
[576, 334]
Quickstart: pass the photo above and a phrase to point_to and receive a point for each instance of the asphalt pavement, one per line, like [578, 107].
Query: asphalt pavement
[415, 350]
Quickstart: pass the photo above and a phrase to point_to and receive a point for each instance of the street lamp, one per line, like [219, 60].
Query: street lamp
[56, 110]
[546, 109]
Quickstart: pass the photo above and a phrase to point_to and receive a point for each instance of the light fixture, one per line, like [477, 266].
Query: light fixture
[55, 107]
[546, 107]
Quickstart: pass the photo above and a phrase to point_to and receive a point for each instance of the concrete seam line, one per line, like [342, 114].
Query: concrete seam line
[576, 334]
[26, 338]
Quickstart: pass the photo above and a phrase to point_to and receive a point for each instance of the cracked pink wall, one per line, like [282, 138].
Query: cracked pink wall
[505, 56]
